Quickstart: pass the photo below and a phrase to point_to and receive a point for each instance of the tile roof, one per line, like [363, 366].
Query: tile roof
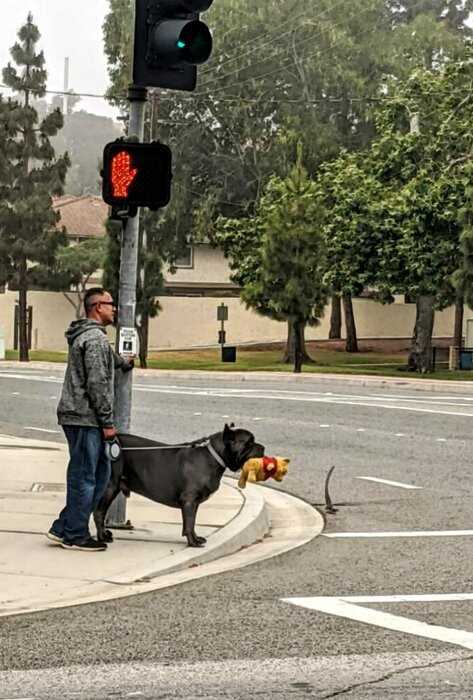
[82, 216]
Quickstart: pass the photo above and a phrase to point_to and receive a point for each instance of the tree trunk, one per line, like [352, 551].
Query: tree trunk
[298, 336]
[458, 330]
[352, 340]
[336, 318]
[23, 311]
[143, 334]
[420, 356]
[290, 351]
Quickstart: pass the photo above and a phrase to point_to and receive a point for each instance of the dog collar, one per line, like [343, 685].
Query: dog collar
[215, 454]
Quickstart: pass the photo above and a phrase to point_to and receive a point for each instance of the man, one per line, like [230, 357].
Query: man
[85, 412]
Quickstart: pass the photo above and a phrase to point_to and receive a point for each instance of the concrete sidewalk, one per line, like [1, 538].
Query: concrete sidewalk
[35, 574]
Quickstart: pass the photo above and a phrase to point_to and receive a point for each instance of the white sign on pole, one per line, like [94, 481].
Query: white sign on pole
[469, 333]
[128, 341]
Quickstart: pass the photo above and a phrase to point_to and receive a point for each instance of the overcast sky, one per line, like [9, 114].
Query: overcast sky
[70, 28]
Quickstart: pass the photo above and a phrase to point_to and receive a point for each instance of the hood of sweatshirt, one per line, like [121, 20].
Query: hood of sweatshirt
[81, 326]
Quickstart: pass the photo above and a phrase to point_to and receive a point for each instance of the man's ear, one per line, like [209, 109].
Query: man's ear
[228, 433]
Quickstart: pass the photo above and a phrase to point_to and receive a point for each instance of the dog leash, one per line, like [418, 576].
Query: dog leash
[204, 443]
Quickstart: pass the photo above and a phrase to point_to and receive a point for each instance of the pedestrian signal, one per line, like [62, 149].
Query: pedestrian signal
[137, 174]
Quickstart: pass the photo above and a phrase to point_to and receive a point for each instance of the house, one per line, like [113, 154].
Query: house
[83, 217]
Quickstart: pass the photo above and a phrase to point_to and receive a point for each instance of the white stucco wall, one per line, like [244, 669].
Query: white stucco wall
[209, 265]
[192, 321]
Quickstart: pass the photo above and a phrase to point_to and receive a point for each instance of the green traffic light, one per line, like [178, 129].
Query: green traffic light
[181, 44]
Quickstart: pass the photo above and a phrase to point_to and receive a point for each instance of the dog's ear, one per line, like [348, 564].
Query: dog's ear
[228, 433]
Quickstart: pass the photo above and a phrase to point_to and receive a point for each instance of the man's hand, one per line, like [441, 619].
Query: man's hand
[130, 362]
[109, 433]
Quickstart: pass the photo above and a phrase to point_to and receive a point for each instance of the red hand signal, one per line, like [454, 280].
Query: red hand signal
[122, 174]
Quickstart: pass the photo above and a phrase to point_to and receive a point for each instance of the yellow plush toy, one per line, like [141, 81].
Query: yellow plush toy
[262, 468]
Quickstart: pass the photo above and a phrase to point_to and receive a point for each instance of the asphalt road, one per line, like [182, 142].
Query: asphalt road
[233, 635]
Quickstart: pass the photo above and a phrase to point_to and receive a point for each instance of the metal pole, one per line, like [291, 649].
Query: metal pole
[137, 96]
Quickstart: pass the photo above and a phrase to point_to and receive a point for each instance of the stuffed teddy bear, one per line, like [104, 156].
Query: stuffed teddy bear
[261, 468]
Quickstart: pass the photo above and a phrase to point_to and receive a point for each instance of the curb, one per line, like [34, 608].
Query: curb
[441, 385]
[250, 525]
[294, 523]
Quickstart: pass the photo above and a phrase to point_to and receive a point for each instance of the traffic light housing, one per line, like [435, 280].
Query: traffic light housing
[170, 41]
[137, 174]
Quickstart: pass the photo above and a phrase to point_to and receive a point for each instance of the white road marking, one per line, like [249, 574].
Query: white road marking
[409, 598]
[324, 425]
[400, 435]
[257, 419]
[197, 414]
[225, 394]
[368, 401]
[407, 533]
[345, 607]
[15, 393]
[441, 440]
[361, 430]
[389, 483]
[41, 430]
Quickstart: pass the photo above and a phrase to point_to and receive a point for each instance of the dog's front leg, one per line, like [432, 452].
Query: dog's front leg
[189, 512]
[104, 535]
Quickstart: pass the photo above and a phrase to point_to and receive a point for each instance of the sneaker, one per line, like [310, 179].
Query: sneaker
[89, 545]
[57, 539]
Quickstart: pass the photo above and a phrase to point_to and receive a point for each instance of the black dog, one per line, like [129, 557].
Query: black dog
[181, 476]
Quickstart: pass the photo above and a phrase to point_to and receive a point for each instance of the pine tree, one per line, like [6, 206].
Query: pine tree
[30, 173]
[290, 279]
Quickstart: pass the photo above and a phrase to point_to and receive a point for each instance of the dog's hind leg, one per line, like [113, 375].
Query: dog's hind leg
[112, 490]
[189, 512]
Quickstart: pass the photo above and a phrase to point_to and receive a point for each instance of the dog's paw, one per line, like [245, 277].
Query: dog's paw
[196, 541]
[107, 536]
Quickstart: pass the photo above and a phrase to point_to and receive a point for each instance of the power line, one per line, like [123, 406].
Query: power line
[273, 39]
[311, 38]
[286, 63]
[252, 100]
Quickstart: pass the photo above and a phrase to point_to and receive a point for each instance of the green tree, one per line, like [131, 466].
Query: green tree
[278, 257]
[30, 173]
[293, 256]
[353, 230]
[422, 169]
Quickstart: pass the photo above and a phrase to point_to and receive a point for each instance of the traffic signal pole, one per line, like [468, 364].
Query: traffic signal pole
[137, 97]
[170, 42]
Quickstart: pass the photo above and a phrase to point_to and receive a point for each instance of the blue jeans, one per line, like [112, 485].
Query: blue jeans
[88, 474]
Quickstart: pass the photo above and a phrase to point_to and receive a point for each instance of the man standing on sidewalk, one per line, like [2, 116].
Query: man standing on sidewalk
[85, 412]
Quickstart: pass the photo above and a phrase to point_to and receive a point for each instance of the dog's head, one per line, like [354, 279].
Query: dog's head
[239, 445]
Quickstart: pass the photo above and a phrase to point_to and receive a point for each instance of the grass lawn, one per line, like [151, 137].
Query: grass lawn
[39, 356]
[328, 358]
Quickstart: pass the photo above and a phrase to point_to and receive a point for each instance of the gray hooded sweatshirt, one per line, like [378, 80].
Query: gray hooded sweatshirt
[88, 390]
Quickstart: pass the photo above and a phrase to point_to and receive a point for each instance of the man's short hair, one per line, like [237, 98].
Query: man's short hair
[90, 298]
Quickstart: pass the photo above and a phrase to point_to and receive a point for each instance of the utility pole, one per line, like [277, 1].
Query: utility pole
[65, 98]
[137, 96]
